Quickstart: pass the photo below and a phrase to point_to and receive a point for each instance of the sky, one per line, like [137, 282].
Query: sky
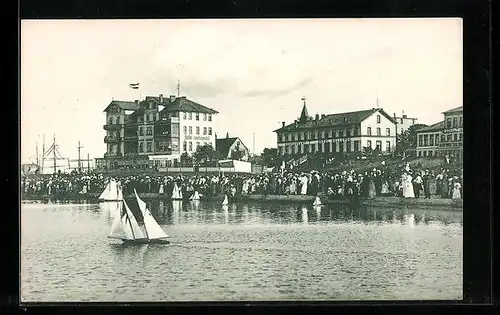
[253, 72]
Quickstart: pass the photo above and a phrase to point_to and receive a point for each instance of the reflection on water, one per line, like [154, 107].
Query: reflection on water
[242, 251]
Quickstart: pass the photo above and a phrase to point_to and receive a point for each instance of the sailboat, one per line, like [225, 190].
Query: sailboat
[112, 192]
[126, 228]
[176, 193]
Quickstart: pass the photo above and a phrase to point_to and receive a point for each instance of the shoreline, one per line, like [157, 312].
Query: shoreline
[379, 201]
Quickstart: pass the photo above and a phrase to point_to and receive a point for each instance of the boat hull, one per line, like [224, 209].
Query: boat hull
[145, 241]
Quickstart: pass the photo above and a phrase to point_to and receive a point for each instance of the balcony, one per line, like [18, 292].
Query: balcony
[130, 137]
[112, 139]
[112, 127]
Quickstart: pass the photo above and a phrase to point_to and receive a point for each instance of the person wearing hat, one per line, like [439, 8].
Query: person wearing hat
[426, 184]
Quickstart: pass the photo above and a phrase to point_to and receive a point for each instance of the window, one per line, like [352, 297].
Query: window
[388, 146]
[141, 131]
[455, 122]
[461, 122]
[149, 131]
[368, 143]
[420, 140]
[141, 147]
[425, 153]
[448, 123]
[460, 136]
[197, 116]
[379, 145]
[205, 130]
[426, 140]
[369, 131]
[442, 138]
[448, 138]
[190, 130]
[204, 117]
[419, 153]
[341, 146]
[341, 133]
[378, 119]
[209, 117]
[148, 146]
[378, 131]
[313, 148]
[436, 137]
[190, 146]
[455, 137]
[305, 135]
[151, 117]
[197, 130]
[431, 140]
[185, 131]
[209, 131]
[348, 146]
[184, 117]
[355, 133]
[184, 146]
[356, 145]
[299, 136]
[387, 131]
[190, 116]
[197, 145]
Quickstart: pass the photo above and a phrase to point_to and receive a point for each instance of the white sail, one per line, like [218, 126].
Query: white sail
[118, 229]
[152, 227]
[115, 209]
[137, 233]
[176, 192]
[105, 193]
[113, 191]
[127, 227]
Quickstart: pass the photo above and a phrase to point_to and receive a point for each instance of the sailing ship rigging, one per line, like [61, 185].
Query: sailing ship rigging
[126, 228]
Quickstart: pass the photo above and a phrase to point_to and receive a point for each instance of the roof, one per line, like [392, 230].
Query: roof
[185, 105]
[347, 118]
[435, 127]
[456, 109]
[222, 145]
[125, 105]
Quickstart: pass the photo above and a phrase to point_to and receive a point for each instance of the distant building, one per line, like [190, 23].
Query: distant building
[157, 129]
[428, 139]
[30, 169]
[229, 145]
[337, 133]
[443, 138]
[403, 122]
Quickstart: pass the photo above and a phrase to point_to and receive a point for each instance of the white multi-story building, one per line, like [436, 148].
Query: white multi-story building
[338, 133]
[158, 129]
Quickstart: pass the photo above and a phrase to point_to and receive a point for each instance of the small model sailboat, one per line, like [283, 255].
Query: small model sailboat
[111, 193]
[176, 193]
[225, 201]
[126, 228]
[195, 196]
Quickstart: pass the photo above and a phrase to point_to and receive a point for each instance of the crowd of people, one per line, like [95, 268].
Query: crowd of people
[383, 181]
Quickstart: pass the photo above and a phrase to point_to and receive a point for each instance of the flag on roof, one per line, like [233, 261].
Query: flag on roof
[134, 86]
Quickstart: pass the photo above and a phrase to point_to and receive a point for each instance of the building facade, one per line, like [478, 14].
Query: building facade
[229, 145]
[403, 122]
[155, 132]
[428, 139]
[337, 133]
[447, 136]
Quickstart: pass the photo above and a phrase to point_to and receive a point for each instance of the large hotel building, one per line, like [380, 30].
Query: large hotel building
[443, 138]
[157, 128]
[337, 133]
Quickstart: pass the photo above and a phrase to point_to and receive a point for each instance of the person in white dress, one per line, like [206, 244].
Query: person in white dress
[408, 187]
[456, 191]
[304, 180]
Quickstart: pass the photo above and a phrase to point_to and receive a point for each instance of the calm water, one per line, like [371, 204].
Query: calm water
[241, 252]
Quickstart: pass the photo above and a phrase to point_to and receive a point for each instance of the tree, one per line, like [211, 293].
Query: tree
[237, 155]
[406, 142]
[269, 157]
[206, 154]
[186, 159]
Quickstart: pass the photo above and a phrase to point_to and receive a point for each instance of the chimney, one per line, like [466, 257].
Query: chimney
[172, 98]
[227, 135]
[394, 115]
[323, 116]
[405, 116]
[161, 98]
[282, 124]
[317, 116]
